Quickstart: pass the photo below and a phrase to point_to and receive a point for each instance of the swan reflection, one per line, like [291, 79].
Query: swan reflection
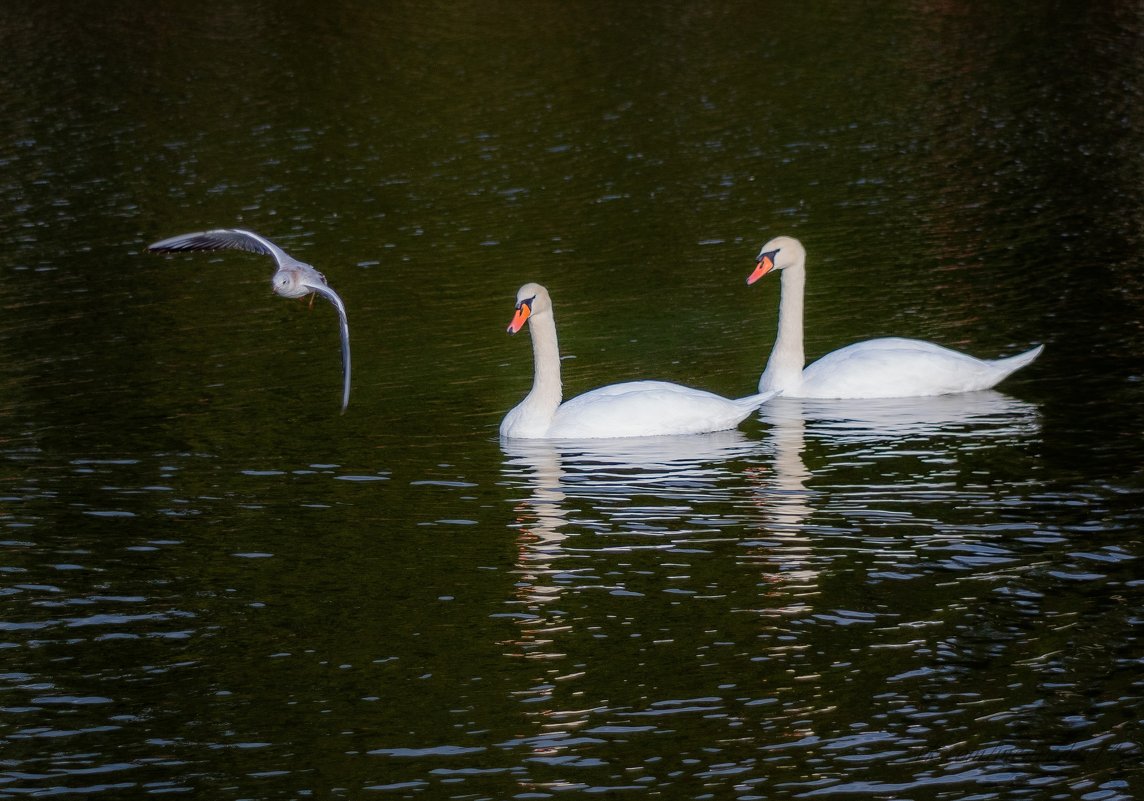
[653, 492]
[667, 467]
[539, 518]
[600, 523]
[980, 415]
[670, 492]
[782, 549]
[904, 471]
[624, 544]
[784, 496]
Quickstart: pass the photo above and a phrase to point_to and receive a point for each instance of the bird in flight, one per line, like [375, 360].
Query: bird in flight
[293, 279]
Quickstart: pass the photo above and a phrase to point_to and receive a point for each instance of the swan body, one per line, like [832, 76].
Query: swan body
[631, 409]
[890, 367]
[293, 278]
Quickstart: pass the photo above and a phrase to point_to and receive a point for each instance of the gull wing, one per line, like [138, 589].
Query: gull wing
[332, 296]
[223, 239]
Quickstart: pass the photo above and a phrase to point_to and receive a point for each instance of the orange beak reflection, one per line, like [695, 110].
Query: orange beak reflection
[765, 265]
[523, 311]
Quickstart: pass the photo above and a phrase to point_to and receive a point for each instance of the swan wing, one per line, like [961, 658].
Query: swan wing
[646, 408]
[895, 367]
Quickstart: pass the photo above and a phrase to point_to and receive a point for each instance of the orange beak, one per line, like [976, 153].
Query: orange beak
[523, 311]
[765, 265]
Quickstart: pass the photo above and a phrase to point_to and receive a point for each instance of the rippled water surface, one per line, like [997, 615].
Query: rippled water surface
[213, 584]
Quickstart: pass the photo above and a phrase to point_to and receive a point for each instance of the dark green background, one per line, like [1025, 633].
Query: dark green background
[212, 582]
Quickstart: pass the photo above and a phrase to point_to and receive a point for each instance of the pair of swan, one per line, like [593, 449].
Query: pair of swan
[890, 367]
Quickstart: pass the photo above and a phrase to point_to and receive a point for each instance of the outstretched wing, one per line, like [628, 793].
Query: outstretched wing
[336, 302]
[223, 239]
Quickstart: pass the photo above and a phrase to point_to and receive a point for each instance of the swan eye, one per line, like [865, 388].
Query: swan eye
[770, 254]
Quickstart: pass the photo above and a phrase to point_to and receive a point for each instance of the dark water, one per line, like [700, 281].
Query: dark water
[213, 584]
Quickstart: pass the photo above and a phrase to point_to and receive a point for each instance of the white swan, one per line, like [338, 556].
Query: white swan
[632, 409]
[890, 367]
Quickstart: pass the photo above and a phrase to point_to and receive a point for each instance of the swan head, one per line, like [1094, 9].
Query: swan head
[531, 300]
[777, 254]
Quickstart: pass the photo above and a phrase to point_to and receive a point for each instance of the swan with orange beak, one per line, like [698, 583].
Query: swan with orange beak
[889, 367]
[631, 409]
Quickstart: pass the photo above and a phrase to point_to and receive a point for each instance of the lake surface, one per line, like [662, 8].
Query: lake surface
[213, 584]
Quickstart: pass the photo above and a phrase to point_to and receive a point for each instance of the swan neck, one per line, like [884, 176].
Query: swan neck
[784, 368]
[546, 388]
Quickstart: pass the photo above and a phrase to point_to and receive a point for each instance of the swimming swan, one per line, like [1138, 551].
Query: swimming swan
[890, 367]
[632, 409]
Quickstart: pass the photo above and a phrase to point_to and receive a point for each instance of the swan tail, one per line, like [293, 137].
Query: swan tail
[1012, 364]
[752, 402]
